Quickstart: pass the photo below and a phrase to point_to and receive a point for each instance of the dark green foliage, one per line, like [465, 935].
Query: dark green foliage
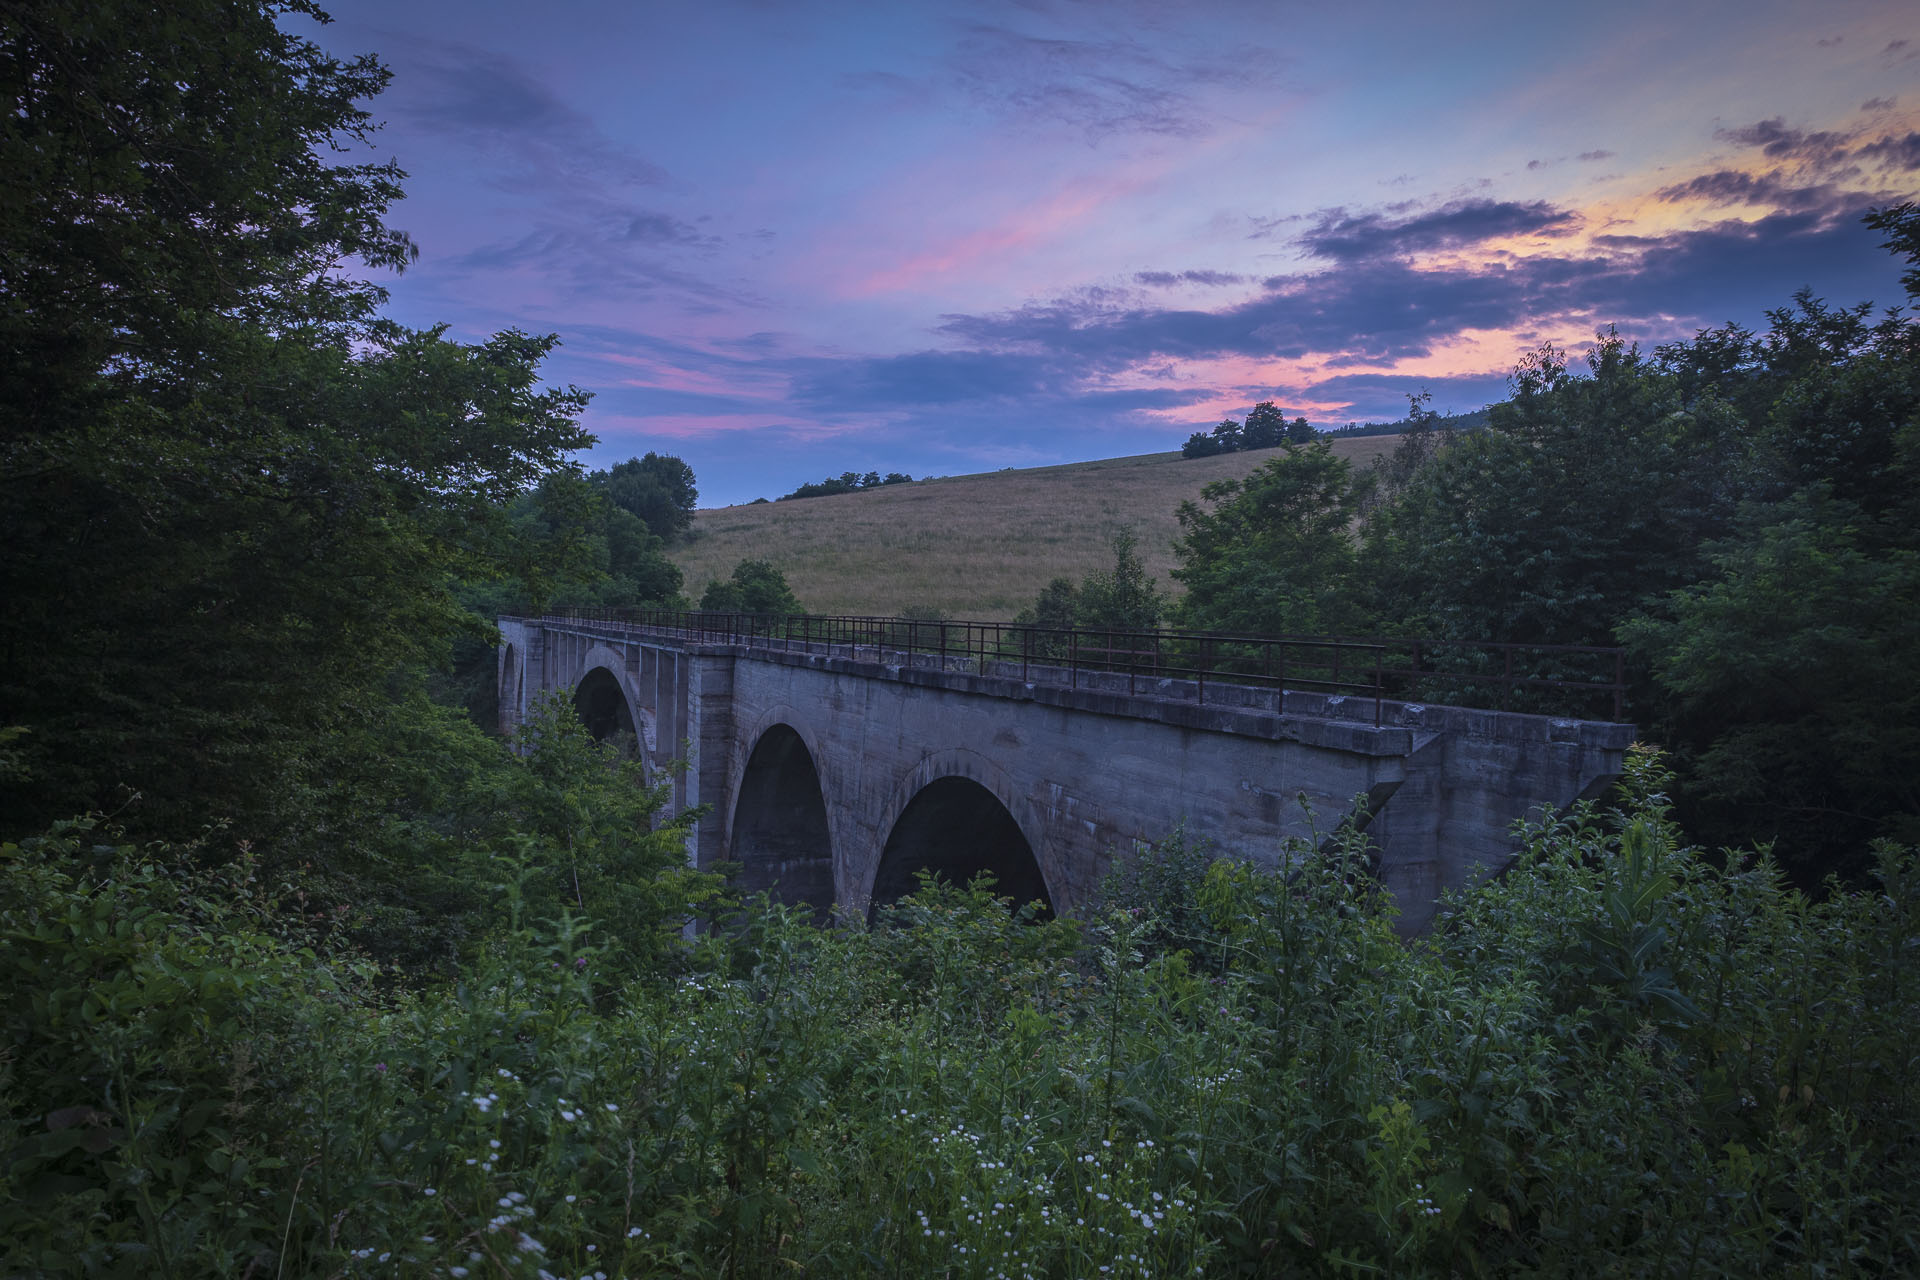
[1791, 680]
[170, 189]
[1275, 553]
[1622, 1057]
[1471, 421]
[187, 616]
[1124, 598]
[589, 551]
[1056, 607]
[1901, 222]
[233, 501]
[191, 1091]
[755, 587]
[1266, 427]
[1121, 599]
[1420, 444]
[1159, 884]
[656, 490]
[1200, 444]
[1584, 496]
[847, 482]
[160, 1038]
[589, 836]
[1784, 665]
[1738, 507]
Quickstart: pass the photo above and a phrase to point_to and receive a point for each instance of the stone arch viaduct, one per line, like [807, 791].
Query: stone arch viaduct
[834, 772]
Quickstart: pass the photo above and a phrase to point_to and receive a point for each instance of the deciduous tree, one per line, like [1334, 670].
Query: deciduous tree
[1274, 553]
[233, 499]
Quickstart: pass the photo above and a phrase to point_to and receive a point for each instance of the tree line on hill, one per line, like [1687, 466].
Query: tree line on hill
[1266, 426]
[1468, 421]
[847, 482]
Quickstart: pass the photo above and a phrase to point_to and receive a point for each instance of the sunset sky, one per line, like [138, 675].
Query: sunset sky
[786, 240]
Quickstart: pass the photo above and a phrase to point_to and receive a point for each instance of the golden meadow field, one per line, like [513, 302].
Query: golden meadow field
[973, 547]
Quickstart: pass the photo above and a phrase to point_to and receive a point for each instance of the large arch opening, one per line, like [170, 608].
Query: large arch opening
[780, 836]
[957, 829]
[602, 707]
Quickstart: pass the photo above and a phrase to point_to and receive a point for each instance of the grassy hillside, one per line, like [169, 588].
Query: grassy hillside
[978, 546]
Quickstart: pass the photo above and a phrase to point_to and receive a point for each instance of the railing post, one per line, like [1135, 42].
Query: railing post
[1506, 685]
[1378, 684]
[1200, 676]
[1073, 659]
[1619, 685]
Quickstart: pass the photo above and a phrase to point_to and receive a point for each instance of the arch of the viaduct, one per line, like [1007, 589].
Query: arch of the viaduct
[955, 813]
[878, 882]
[779, 827]
[604, 705]
[601, 688]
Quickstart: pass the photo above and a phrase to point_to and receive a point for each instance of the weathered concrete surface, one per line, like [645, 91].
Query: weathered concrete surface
[1080, 771]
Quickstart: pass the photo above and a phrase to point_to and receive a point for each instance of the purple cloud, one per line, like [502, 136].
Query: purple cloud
[537, 143]
[1345, 238]
[1778, 142]
[1166, 279]
[1896, 153]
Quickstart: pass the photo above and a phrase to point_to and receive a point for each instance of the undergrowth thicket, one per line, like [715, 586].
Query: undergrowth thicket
[1622, 1058]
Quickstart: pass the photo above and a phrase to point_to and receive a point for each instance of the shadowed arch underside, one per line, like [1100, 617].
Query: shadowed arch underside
[780, 836]
[957, 829]
[602, 707]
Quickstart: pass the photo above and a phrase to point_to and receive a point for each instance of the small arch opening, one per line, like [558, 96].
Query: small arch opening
[957, 829]
[780, 836]
[602, 707]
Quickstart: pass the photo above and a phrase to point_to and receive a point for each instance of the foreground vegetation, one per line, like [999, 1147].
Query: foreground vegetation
[1623, 1058]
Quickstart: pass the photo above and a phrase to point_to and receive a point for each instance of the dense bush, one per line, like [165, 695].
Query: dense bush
[1623, 1057]
[756, 586]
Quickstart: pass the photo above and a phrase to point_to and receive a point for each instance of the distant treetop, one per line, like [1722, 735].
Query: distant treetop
[658, 489]
[1266, 428]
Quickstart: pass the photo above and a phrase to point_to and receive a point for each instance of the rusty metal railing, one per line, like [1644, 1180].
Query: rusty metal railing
[1588, 681]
